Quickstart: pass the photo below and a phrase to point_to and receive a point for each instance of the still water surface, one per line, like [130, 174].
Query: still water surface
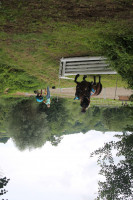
[46, 152]
[58, 172]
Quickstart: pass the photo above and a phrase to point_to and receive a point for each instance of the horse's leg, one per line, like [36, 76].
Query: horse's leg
[99, 79]
[94, 80]
[76, 78]
[84, 77]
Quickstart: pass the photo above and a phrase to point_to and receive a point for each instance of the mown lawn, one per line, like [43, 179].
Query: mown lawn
[36, 34]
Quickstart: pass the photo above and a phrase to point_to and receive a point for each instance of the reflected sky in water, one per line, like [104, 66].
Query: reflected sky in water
[54, 172]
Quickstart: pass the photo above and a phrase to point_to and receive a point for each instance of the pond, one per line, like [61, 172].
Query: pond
[60, 154]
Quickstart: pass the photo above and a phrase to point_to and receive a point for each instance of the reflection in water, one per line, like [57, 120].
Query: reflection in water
[27, 126]
[65, 171]
[30, 125]
[118, 182]
[43, 96]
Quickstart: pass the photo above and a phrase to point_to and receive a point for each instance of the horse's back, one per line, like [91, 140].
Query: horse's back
[83, 88]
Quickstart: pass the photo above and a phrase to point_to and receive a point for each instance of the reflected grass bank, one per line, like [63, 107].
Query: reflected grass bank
[31, 124]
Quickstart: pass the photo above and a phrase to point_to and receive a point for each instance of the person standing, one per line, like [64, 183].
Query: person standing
[39, 97]
[47, 101]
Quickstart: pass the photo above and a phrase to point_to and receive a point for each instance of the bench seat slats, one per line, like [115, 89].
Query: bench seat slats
[84, 65]
[83, 58]
[87, 70]
[91, 73]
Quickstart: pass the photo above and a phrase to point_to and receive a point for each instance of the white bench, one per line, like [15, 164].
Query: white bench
[84, 65]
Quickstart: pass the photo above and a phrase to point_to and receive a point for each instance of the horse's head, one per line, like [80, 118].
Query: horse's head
[85, 101]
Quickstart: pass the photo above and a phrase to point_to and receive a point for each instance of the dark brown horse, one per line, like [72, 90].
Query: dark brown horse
[85, 89]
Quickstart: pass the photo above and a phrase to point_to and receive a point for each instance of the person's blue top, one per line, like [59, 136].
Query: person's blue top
[76, 98]
[92, 91]
[39, 99]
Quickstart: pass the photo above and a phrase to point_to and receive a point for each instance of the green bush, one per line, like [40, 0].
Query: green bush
[117, 45]
[14, 79]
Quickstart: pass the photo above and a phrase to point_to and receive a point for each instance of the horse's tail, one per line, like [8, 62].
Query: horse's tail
[100, 89]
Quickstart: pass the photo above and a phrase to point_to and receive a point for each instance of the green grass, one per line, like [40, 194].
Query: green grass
[13, 79]
[31, 52]
[35, 35]
[107, 81]
[102, 103]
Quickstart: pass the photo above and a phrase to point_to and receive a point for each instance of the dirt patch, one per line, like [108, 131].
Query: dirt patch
[31, 15]
[107, 93]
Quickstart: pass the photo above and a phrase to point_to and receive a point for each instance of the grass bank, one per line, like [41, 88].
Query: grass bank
[35, 35]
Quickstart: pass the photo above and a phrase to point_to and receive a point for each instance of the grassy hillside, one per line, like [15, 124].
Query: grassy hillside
[36, 34]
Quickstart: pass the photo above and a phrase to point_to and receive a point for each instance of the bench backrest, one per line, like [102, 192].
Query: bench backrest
[84, 65]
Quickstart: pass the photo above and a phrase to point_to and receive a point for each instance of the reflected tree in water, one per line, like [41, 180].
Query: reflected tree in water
[118, 184]
[3, 182]
[57, 116]
[4, 140]
[30, 124]
[117, 119]
[27, 126]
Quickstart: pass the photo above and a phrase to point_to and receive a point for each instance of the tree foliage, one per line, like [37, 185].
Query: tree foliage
[21, 119]
[4, 139]
[118, 184]
[3, 182]
[117, 44]
[117, 118]
[57, 116]
[27, 127]
[31, 124]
